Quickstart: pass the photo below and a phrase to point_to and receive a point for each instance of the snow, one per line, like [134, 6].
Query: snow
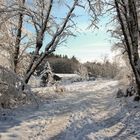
[69, 78]
[82, 111]
[66, 79]
[67, 75]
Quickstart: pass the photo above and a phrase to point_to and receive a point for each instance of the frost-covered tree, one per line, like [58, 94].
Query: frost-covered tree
[127, 14]
[46, 75]
[48, 28]
[11, 93]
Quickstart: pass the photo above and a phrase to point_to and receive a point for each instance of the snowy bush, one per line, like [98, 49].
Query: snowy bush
[11, 89]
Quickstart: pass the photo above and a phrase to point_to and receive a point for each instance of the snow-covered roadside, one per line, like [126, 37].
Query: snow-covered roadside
[84, 111]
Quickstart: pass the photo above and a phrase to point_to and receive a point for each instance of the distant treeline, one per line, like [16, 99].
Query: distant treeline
[60, 64]
[105, 69]
[64, 64]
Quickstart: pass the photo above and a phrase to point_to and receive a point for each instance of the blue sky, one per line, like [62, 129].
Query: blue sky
[89, 45]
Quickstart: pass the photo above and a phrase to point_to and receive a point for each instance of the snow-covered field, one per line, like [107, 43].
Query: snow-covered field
[81, 111]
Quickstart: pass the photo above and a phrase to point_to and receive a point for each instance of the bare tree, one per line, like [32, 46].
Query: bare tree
[13, 39]
[42, 28]
[18, 36]
[49, 29]
[127, 14]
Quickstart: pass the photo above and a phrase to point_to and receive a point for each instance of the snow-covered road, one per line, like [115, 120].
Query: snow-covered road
[85, 111]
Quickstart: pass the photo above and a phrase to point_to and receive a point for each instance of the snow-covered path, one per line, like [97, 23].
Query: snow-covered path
[85, 111]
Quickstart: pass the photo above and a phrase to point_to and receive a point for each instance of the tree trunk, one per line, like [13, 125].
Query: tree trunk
[50, 47]
[18, 39]
[130, 31]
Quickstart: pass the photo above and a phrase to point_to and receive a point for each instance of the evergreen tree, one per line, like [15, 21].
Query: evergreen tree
[46, 75]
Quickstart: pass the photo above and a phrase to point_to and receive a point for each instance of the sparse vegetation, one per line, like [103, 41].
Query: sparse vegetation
[74, 100]
[104, 69]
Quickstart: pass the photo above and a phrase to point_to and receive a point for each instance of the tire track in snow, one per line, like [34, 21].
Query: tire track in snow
[74, 116]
